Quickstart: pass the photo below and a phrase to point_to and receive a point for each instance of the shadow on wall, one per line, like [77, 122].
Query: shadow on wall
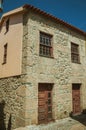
[2, 117]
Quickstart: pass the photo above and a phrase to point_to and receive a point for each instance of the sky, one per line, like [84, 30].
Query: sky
[70, 11]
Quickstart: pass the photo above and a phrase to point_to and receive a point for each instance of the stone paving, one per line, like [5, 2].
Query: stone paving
[64, 124]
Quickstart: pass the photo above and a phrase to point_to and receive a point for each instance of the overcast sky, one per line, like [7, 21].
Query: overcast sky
[71, 11]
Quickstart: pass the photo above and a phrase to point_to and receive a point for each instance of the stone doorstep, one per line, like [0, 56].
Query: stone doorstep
[57, 125]
[20, 128]
[78, 127]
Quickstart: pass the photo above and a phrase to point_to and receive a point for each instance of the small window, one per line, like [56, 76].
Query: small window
[7, 25]
[46, 45]
[5, 54]
[75, 53]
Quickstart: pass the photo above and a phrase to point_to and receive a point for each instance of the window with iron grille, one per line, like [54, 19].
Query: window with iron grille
[5, 54]
[45, 45]
[75, 53]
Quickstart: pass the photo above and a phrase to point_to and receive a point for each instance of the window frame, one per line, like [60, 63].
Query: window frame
[46, 48]
[75, 55]
[7, 25]
[5, 54]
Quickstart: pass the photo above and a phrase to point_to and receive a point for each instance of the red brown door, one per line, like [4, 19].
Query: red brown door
[76, 98]
[45, 103]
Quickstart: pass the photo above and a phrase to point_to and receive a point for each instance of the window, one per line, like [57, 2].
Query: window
[5, 54]
[45, 45]
[75, 53]
[7, 25]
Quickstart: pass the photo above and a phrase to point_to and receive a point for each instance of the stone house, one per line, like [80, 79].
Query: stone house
[42, 67]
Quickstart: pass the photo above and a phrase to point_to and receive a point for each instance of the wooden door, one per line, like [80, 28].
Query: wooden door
[76, 98]
[45, 103]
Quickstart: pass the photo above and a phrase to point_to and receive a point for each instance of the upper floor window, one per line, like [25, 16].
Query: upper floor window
[46, 45]
[5, 54]
[7, 25]
[75, 53]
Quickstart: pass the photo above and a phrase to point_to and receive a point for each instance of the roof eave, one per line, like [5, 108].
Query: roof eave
[13, 12]
[27, 6]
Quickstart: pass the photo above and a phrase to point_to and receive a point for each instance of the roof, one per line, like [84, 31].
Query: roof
[12, 12]
[43, 13]
[30, 7]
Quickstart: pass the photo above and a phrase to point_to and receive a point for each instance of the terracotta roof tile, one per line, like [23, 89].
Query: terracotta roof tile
[27, 6]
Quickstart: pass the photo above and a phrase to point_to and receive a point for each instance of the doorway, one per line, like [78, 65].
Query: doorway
[76, 98]
[44, 102]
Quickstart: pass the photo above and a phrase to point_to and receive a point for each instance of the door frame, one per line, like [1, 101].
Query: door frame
[77, 87]
[46, 87]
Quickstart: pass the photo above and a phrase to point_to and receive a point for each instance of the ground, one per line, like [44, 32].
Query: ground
[71, 123]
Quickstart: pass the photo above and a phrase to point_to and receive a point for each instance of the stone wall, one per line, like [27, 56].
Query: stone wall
[12, 101]
[58, 70]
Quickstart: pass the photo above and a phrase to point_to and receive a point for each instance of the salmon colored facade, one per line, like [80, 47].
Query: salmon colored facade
[13, 39]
